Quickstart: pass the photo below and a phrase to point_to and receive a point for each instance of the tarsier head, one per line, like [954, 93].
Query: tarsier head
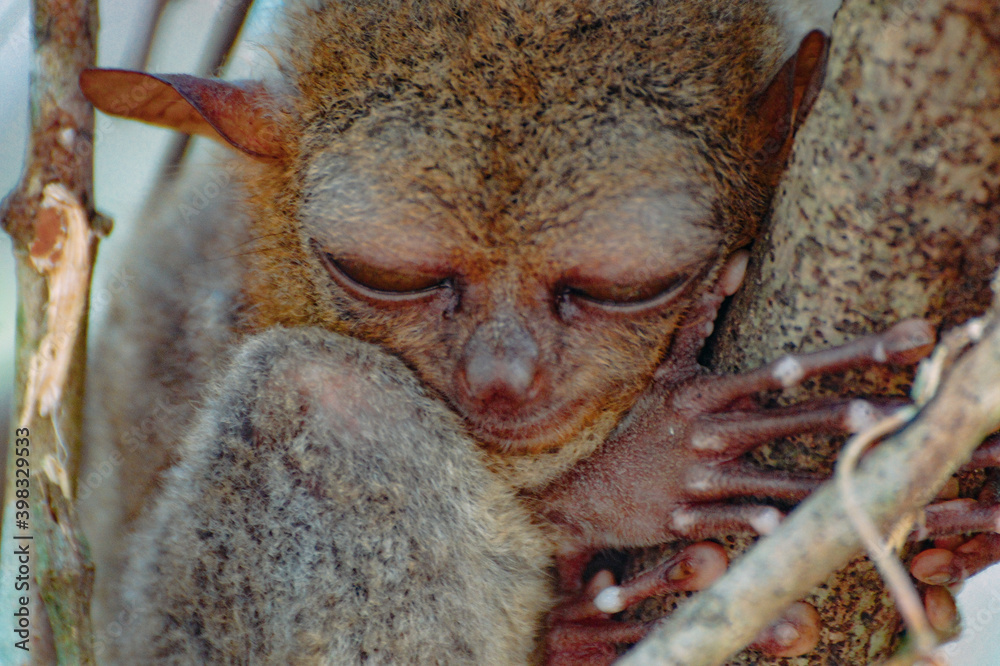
[518, 199]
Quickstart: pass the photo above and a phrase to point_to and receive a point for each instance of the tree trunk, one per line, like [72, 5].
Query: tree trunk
[890, 209]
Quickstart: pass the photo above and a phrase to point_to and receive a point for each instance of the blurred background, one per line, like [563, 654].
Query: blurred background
[211, 37]
[131, 160]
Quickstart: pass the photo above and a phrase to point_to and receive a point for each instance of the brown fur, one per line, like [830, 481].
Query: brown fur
[511, 143]
[520, 125]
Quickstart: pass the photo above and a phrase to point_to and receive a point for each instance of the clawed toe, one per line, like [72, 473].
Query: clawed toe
[583, 631]
[987, 455]
[959, 516]
[730, 434]
[693, 568]
[905, 343]
[795, 633]
[942, 613]
[941, 566]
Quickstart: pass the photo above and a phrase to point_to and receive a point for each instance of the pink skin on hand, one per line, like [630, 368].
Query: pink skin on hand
[673, 468]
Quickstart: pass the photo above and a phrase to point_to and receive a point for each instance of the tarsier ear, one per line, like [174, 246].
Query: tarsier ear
[238, 113]
[779, 110]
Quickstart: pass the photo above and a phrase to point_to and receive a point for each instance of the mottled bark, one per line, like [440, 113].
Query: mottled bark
[890, 209]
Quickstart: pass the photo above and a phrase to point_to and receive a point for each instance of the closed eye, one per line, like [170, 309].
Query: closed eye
[627, 298]
[379, 282]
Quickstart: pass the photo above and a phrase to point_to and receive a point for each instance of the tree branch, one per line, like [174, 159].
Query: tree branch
[54, 229]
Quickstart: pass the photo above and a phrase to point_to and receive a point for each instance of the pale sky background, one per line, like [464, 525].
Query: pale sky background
[128, 155]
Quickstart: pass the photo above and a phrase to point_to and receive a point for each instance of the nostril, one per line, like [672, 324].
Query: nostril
[518, 374]
[493, 379]
[501, 367]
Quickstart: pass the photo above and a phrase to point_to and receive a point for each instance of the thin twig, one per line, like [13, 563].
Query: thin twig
[897, 579]
[907, 598]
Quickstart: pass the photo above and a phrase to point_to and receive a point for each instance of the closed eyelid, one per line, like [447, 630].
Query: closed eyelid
[381, 286]
[373, 276]
[635, 248]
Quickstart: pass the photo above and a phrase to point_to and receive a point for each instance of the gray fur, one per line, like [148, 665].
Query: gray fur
[326, 511]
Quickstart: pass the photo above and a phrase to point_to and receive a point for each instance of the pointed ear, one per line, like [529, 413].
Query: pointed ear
[238, 113]
[779, 110]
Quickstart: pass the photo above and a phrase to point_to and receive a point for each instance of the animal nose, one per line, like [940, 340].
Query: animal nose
[501, 366]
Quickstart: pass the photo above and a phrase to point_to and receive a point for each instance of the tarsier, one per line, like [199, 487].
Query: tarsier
[443, 338]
